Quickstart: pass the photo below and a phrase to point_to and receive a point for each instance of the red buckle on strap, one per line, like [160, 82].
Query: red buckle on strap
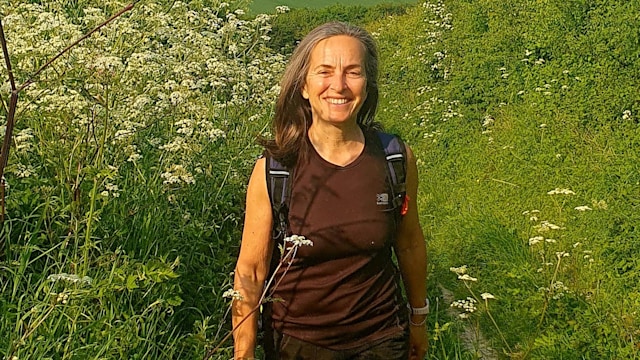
[405, 206]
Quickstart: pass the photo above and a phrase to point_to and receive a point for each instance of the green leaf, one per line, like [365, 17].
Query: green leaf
[131, 282]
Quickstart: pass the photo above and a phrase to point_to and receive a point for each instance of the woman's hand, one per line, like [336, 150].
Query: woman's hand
[418, 338]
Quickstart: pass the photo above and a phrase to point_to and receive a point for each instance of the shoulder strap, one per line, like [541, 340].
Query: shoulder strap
[279, 188]
[396, 156]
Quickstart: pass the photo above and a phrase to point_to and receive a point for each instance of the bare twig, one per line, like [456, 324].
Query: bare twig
[5, 52]
[6, 144]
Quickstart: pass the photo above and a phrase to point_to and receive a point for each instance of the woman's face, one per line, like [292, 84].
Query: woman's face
[336, 84]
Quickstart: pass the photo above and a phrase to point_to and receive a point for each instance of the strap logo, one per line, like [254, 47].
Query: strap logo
[382, 199]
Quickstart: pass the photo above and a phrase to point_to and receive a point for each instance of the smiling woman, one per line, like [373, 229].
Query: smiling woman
[340, 298]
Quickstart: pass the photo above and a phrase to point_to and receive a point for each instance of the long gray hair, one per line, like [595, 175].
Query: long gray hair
[292, 117]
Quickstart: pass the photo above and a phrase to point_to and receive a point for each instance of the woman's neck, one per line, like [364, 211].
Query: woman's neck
[339, 145]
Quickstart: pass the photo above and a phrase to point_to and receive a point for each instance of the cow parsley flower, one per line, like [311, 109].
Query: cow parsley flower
[468, 305]
[466, 277]
[298, 240]
[70, 278]
[486, 296]
[232, 294]
[582, 208]
[459, 270]
[536, 239]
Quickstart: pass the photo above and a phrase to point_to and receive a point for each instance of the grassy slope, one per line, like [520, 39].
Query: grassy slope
[555, 124]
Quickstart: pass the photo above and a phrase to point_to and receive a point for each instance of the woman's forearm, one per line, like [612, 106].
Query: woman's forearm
[245, 313]
[413, 268]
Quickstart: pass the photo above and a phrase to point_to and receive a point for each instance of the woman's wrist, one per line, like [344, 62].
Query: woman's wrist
[417, 320]
[422, 310]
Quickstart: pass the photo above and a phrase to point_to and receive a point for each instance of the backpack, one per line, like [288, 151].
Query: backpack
[279, 183]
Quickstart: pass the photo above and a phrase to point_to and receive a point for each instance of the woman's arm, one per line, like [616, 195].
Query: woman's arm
[411, 252]
[253, 263]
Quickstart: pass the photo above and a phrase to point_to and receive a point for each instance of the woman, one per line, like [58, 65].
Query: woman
[338, 299]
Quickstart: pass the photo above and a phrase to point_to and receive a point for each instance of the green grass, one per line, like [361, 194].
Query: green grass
[268, 6]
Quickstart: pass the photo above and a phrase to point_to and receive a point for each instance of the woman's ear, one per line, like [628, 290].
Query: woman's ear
[304, 92]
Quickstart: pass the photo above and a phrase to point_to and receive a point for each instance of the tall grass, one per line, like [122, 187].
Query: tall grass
[524, 115]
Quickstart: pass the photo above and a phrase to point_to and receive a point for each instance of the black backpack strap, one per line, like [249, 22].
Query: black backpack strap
[279, 188]
[396, 155]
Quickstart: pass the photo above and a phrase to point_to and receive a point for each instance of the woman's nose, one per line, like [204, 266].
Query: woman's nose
[338, 81]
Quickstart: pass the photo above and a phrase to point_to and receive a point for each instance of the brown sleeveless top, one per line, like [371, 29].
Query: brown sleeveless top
[343, 291]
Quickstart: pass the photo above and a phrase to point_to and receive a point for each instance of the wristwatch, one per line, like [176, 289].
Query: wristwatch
[419, 311]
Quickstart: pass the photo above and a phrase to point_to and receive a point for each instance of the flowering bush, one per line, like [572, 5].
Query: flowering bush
[130, 136]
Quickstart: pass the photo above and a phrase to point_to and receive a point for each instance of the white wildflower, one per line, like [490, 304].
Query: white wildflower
[24, 171]
[466, 277]
[601, 204]
[468, 305]
[545, 226]
[559, 191]
[298, 240]
[233, 294]
[70, 278]
[488, 120]
[486, 296]
[134, 157]
[107, 63]
[536, 239]
[459, 270]
[177, 174]
[23, 140]
[582, 208]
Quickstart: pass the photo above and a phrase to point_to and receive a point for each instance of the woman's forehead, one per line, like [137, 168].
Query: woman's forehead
[337, 48]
